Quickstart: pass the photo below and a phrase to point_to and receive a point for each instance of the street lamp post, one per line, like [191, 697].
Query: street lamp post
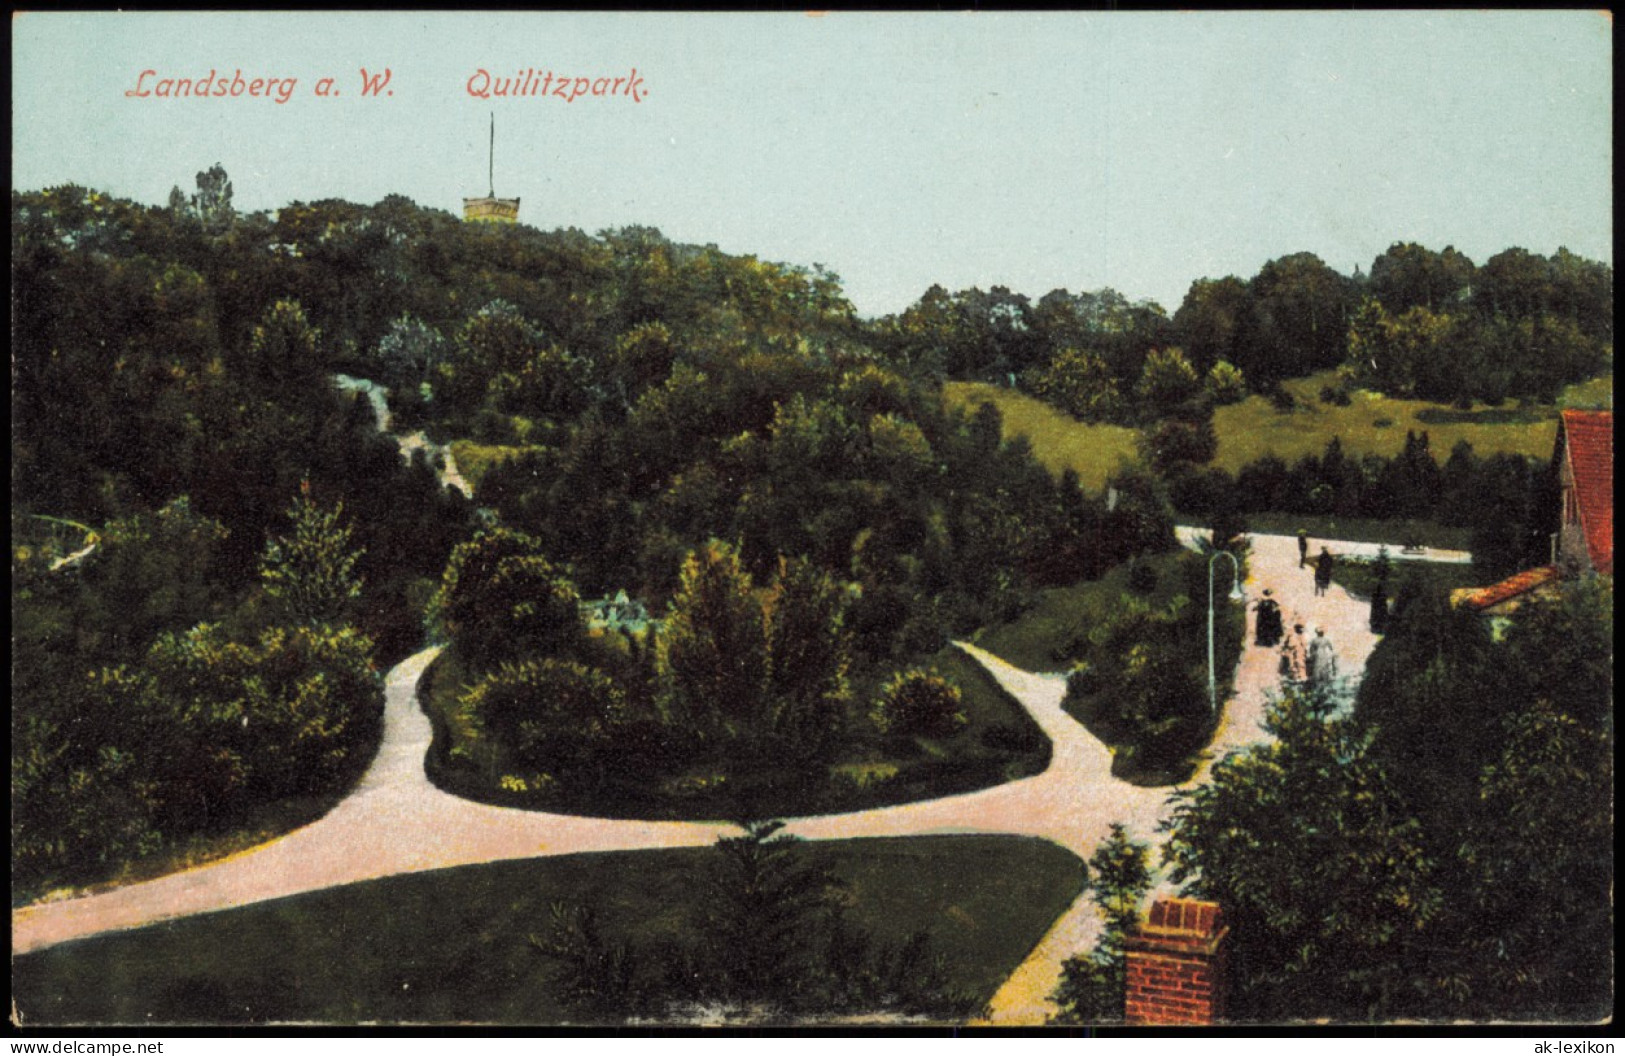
[1235, 595]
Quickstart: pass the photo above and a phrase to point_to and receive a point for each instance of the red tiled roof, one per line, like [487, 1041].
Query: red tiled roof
[1590, 452]
[1494, 594]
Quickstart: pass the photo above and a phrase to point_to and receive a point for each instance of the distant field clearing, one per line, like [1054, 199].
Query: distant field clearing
[1253, 428]
[1059, 441]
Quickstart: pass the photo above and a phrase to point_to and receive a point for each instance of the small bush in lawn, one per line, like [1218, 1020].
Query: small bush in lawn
[1010, 739]
[1142, 578]
[915, 703]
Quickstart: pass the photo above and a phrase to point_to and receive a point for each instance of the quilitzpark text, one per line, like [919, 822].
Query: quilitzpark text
[526, 83]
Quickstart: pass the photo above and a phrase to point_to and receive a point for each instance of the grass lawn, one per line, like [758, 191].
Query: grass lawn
[1059, 441]
[1376, 424]
[1358, 577]
[1052, 633]
[1371, 424]
[451, 946]
[475, 460]
[1000, 742]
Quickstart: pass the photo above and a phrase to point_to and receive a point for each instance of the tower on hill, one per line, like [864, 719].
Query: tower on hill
[492, 209]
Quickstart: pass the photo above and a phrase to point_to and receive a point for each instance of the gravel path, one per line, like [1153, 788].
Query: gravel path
[1099, 799]
[394, 822]
[397, 822]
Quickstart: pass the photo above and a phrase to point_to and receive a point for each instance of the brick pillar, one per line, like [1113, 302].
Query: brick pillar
[1176, 965]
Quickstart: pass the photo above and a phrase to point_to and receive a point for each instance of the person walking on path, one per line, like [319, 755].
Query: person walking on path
[1267, 627]
[1303, 547]
[1295, 657]
[1323, 571]
[1322, 661]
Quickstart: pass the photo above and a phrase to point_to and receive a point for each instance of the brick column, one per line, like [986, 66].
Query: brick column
[1175, 964]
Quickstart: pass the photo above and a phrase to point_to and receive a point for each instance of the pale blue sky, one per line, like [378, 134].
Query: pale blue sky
[1139, 151]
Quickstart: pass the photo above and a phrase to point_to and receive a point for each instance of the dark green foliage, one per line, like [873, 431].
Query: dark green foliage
[809, 654]
[771, 943]
[284, 347]
[1092, 984]
[915, 703]
[1140, 684]
[1410, 486]
[1179, 441]
[548, 715]
[310, 573]
[501, 598]
[1433, 663]
[1433, 325]
[1322, 875]
[192, 740]
[1444, 852]
[713, 651]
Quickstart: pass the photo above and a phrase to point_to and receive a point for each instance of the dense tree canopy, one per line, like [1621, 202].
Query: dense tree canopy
[1445, 851]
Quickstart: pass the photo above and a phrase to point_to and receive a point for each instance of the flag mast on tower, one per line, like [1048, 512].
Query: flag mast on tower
[492, 209]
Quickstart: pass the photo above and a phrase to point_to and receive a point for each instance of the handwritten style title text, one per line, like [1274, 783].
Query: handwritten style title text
[526, 83]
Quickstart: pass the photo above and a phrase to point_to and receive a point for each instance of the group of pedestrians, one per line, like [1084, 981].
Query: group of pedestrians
[1305, 660]
[1312, 661]
[1323, 564]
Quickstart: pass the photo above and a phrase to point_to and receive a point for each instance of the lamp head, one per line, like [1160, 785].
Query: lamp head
[1235, 592]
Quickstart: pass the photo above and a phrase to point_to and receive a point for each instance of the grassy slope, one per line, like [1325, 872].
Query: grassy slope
[1059, 440]
[1253, 428]
[450, 946]
[475, 460]
[1372, 424]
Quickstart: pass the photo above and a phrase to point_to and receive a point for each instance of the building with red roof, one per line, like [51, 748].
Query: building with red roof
[1585, 465]
[1584, 544]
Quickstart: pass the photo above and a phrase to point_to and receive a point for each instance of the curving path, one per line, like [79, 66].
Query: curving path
[394, 822]
[1272, 564]
[378, 396]
[397, 822]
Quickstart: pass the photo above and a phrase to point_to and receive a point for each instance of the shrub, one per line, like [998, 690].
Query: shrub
[499, 598]
[915, 703]
[540, 710]
[1011, 739]
[1281, 399]
[1226, 384]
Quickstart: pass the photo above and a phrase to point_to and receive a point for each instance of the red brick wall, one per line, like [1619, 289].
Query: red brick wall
[1167, 988]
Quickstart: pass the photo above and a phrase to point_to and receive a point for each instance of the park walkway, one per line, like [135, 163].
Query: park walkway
[1024, 999]
[396, 821]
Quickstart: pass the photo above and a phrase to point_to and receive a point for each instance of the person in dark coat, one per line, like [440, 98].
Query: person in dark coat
[1323, 571]
[1379, 608]
[1267, 627]
[1303, 547]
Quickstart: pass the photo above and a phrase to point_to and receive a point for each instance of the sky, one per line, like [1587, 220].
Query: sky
[1029, 150]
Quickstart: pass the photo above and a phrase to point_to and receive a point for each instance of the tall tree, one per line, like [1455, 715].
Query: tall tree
[713, 653]
[1092, 984]
[1407, 275]
[311, 571]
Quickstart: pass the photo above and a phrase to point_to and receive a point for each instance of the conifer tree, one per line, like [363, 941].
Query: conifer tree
[311, 572]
